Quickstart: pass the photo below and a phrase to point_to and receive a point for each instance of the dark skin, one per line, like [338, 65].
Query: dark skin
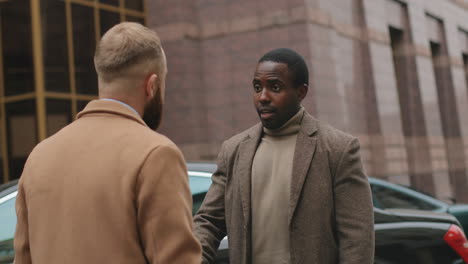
[275, 96]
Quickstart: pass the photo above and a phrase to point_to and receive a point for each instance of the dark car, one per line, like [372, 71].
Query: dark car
[387, 195]
[402, 236]
[407, 237]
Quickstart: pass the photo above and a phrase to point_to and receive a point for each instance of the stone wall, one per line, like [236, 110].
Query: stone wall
[389, 72]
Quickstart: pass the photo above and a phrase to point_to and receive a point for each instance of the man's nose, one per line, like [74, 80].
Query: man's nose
[264, 96]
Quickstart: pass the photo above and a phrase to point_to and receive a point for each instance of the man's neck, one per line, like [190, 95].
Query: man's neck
[129, 106]
[289, 127]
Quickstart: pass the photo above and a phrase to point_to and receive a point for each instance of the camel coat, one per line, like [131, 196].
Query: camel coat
[330, 207]
[105, 189]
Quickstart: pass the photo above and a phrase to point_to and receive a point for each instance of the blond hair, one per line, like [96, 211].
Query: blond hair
[129, 50]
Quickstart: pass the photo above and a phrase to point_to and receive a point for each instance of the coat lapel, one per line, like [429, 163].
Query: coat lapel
[246, 155]
[303, 155]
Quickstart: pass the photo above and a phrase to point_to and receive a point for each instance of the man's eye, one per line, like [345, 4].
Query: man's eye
[257, 88]
[276, 88]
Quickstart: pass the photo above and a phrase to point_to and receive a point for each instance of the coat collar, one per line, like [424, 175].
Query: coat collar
[309, 126]
[109, 107]
[303, 155]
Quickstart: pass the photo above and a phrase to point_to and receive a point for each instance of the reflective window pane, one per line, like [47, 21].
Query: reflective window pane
[110, 2]
[58, 115]
[22, 134]
[84, 42]
[134, 4]
[108, 20]
[17, 47]
[55, 46]
[135, 19]
[80, 105]
[388, 198]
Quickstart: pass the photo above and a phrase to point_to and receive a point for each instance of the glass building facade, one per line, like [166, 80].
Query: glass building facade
[47, 73]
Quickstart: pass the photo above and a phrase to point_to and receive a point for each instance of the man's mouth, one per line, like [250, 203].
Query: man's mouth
[266, 113]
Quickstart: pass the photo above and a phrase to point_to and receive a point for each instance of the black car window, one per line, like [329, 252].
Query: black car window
[387, 198]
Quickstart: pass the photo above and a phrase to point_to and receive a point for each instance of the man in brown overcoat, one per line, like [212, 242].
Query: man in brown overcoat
[107, 188]
[291, 189]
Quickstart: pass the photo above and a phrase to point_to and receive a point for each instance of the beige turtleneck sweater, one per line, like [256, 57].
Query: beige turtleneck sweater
[271, 181]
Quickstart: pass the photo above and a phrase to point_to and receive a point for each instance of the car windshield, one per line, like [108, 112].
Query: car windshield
[199, 184]
[7, 226]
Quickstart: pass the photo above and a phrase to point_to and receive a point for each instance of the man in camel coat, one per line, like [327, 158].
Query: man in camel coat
[107, 188]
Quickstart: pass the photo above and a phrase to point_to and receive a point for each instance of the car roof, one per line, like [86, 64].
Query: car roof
[205, 169]
[202, 166]
[8, 187]
[197, 169]
[385, 215]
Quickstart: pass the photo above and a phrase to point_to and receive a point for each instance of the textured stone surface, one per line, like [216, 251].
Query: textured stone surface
[213, 46]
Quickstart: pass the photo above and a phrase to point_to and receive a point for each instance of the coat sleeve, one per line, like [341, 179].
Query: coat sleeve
[164, 209]
[21, 240]
[353, 209]
[210, 225]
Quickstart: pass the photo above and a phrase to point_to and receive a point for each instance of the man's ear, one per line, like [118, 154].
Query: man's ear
[150, 85]
[302, 92]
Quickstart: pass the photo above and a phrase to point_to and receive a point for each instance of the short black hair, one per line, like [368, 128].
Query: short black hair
[296, 64]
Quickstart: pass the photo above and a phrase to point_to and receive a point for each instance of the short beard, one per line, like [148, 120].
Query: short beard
[153, 111]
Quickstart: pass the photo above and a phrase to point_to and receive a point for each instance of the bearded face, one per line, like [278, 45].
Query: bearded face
[153, 110]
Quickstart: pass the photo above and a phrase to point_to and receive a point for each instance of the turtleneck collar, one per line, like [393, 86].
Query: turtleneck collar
[292, 126]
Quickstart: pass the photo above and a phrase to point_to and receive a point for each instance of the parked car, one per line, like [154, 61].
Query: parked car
[402, 235]
[387, 195]
[405, 235]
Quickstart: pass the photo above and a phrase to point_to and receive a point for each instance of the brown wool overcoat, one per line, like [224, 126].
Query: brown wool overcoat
[105, 189]
[330, 213]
